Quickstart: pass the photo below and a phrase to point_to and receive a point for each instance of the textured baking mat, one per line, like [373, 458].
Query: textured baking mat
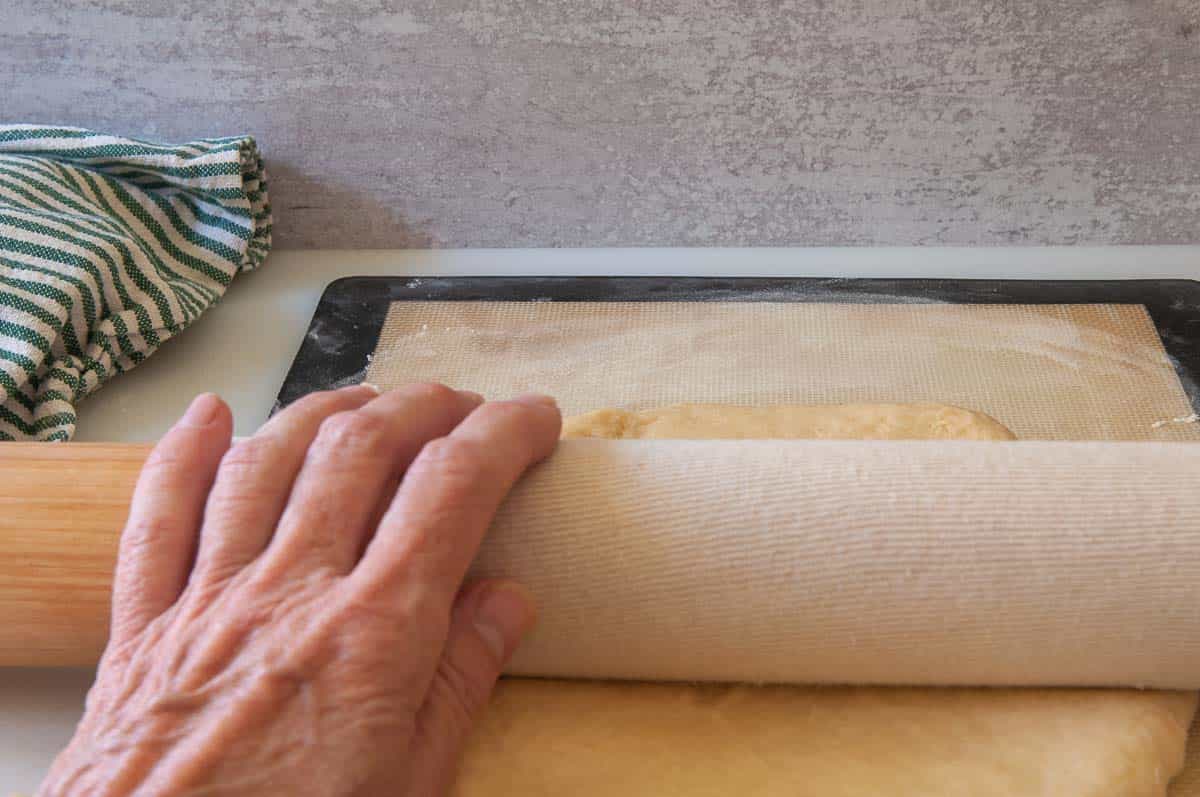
[1051, 372]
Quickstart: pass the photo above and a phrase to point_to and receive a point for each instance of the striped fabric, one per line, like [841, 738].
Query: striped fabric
[108, 247]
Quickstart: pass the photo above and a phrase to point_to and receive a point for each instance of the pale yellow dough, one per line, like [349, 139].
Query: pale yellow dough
[822, 422]
[625, 740]
[543, 737]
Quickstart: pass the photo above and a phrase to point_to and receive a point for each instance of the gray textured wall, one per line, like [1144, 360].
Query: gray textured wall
[702, 122]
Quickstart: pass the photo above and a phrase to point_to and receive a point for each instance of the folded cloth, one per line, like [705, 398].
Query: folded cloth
[108, 247]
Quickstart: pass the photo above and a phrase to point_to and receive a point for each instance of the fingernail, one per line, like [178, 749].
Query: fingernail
[363, 392]
[536, 398]
[471, 396]
[376, 389]
[506, 612]
[202, 411]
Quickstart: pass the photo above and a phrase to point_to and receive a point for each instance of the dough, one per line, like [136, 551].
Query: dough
[584, 739]
[835, 422]
[546, 737]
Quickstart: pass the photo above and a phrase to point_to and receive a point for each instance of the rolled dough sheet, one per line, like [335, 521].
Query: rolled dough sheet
[548, 737]
[590, 738]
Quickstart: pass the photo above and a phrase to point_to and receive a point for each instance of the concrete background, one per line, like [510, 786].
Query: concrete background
[703, 122]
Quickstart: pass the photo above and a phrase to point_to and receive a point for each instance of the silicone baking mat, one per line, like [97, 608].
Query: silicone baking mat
[1064, 360]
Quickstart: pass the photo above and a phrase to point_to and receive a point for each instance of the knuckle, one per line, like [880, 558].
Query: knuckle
[454, 458]
[507, 413]
[215, 568]
[352, 431]
[170, 459]
[236, 500]
[461, 695]
[142, 535]
[252, 455]
[433, 392]
[313, 403]
[370, 608]
[377, 603]
[324, 540]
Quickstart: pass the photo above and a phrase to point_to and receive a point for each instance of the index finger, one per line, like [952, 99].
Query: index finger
[448, 497]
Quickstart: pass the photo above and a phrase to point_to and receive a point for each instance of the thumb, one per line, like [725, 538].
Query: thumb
[488, 621]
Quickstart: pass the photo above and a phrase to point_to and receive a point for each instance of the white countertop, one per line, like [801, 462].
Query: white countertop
[243, 348]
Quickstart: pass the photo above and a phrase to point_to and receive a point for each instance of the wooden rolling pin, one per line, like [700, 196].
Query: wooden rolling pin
[62, 508]
[992, 563]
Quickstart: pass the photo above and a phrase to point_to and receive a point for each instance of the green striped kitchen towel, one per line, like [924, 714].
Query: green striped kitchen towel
[108, 247]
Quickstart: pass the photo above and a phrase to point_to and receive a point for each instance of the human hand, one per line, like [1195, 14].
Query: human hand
[289, 615]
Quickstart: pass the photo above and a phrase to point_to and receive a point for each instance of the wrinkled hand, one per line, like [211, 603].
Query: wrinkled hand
[289, 615]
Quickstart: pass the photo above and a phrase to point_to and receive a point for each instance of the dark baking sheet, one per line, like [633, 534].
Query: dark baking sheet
[345, 327]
